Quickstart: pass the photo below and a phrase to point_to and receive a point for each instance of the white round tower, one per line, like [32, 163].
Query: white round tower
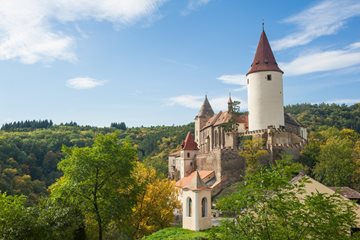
[265, 89]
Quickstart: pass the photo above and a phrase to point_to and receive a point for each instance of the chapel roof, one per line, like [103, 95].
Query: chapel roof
[194, 181]
[224, 117]
[206, 109]
[189, 143]
[347, 192]
[264, 59]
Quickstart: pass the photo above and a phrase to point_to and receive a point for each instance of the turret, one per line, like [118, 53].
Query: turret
[205, 113]
[230, 104]
[196, 199]
[189, 149]
[265, 89]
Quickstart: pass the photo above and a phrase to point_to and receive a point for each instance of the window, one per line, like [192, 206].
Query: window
[268, 77]
[188, 203]
[188, 154]
[204, 207]
[247, 81]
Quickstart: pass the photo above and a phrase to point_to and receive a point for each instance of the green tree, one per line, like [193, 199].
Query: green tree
[16, 220]
[269, 206]
[254, 153]
[335, 166]
[97, 179]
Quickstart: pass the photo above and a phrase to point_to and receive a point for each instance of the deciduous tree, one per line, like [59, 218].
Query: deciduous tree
[97, 179]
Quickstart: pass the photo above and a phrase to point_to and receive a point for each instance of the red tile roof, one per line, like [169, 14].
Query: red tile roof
[189, 143]
[264, 59]
[224, 117]
[194, 180]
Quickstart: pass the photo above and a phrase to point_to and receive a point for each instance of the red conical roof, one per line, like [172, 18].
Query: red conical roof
[189, 143]
[264, 59]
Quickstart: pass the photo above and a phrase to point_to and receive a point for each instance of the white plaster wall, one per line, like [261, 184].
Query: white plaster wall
[265, 100]
[196, 222]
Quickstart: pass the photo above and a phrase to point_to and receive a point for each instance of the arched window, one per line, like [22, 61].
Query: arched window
[216, 138]
[207, 144]
[204, 207]
[188, 203]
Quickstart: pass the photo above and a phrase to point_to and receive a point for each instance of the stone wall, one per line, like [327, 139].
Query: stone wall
[232, 166]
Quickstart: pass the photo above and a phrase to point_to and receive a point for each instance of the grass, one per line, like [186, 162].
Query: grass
[177, 233]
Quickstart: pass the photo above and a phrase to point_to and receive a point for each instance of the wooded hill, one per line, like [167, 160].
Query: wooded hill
[31, 150]
[29, 156]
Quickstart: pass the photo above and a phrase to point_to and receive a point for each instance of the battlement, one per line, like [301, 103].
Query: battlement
[299, 145]
[262, 131]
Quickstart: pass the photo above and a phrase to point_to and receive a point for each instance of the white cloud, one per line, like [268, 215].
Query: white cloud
[235, 79]
[344, 101]
[323, 19]
[188, 101]
[84, 83]
[321, 61]
[28, 32]
[192, 5]
[195, 102]
[354, 45]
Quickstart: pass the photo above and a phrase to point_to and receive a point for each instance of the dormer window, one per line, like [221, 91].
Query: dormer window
[268, 77]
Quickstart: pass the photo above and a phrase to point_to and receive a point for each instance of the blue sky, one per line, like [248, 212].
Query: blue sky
[150, 62]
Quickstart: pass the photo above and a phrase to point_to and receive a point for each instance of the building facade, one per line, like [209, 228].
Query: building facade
[213, 151]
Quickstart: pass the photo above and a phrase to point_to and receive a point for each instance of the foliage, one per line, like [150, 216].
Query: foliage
[28, 158]
[315, 116]
[332, 156]
[97, 179]
[120, 126]
[268, 206]
[16, 221]
[174, 233]
[27, 125]
[155, 202]
[45, 221]
[254, 154]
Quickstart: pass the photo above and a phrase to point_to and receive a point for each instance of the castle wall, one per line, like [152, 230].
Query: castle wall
[210, 161]
[227, 164]
[232, 166]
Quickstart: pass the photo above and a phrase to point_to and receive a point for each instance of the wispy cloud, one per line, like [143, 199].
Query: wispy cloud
[325, 18]
[322, 61]
[84, 83]
[235, 79]
[28, 32]
[193, 5]
[195, 102]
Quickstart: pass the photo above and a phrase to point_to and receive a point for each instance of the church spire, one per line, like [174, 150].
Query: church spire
[264, 59]
[230, 104]
[206, 109]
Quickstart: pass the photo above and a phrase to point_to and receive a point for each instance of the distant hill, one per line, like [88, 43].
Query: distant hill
[315, 116]
[30, 150]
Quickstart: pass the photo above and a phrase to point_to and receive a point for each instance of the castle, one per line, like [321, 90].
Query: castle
[209, 160]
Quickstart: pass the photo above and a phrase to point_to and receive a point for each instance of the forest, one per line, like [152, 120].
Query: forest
[35, 168]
